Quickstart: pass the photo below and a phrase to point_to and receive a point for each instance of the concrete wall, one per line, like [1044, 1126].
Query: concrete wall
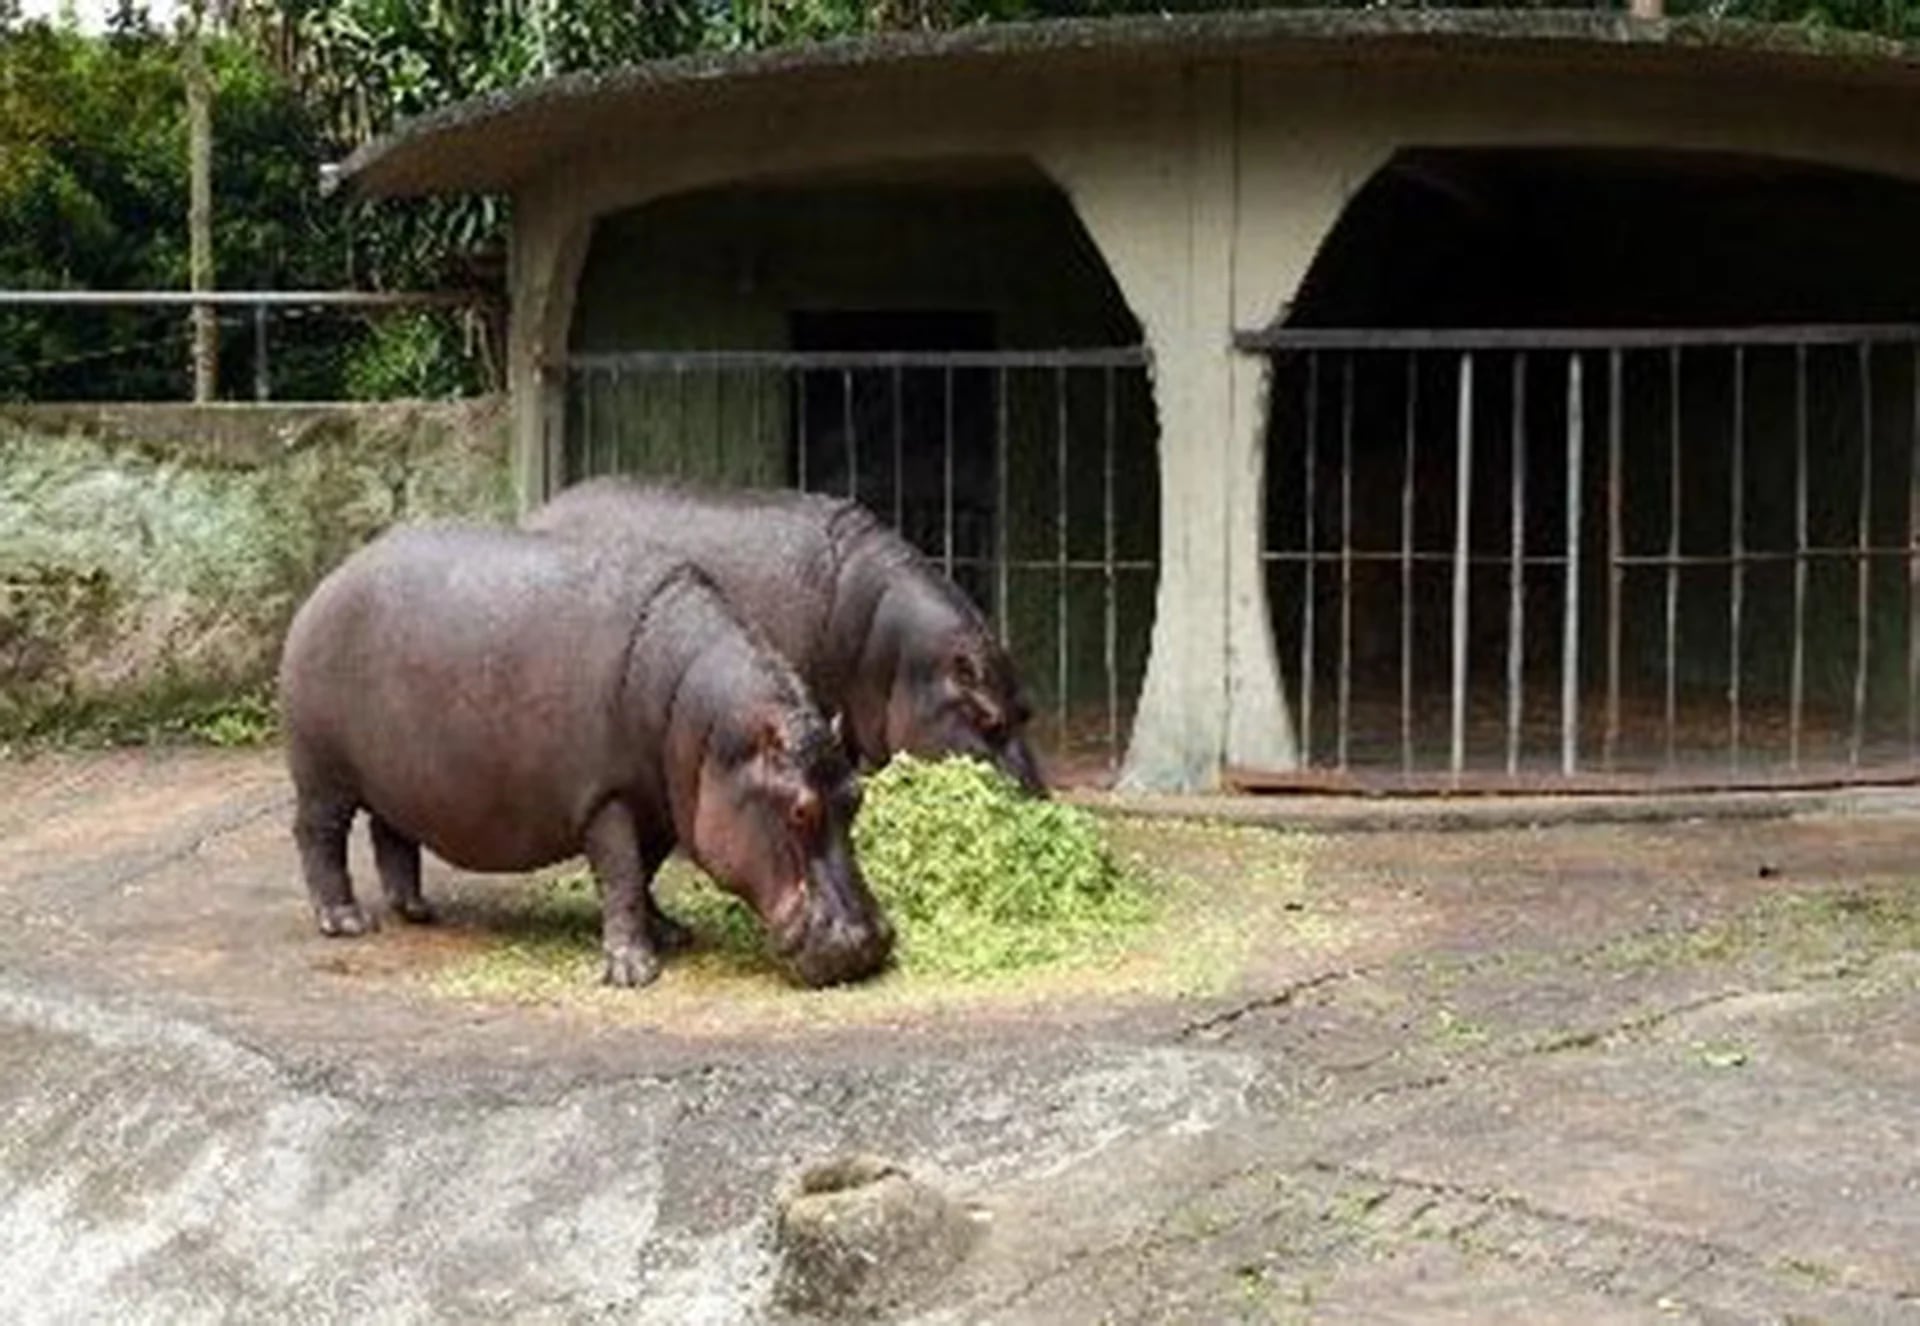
[151, 556]
[1208, 187]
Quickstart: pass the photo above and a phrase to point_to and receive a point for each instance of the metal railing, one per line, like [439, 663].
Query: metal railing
[258, 306]
[1028, 476]
[1720, 526]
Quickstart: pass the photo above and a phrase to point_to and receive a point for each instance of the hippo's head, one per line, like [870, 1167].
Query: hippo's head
[772, 821]
[960, 696]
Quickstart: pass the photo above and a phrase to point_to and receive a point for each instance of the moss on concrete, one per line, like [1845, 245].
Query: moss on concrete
[150, 560]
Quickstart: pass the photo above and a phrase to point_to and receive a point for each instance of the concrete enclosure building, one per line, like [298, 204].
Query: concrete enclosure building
[1395, 397]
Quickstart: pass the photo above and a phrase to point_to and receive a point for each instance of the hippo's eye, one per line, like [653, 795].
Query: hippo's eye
[803, 814]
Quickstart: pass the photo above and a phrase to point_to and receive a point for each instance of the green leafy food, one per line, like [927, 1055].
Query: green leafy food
[979, 878]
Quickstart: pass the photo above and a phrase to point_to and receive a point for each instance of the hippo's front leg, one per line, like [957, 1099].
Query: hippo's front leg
[667, 934]
[613, 850]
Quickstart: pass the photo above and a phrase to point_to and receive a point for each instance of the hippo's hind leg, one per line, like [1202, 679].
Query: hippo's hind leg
[398, 858]
[320, 824]
[613, 850]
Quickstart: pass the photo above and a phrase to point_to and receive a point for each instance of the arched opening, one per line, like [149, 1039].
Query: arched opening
[1589, 463]
[940, 340]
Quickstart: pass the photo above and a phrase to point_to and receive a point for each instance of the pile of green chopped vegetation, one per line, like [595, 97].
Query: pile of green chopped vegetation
[980, 879]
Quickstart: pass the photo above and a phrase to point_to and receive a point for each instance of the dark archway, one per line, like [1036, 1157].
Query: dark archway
[1590, 237]
[941, 340]
[1707, 582]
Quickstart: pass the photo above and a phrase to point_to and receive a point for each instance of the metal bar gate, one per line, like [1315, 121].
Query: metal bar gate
[1596, 558]
[1029, 477]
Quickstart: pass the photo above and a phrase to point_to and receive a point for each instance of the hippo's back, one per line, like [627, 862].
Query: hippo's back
[461, 682]
[772, 554]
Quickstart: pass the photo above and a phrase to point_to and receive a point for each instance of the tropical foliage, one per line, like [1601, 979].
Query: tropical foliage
[93, 175]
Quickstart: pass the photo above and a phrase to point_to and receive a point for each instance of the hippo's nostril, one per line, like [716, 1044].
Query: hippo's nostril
[843, 951]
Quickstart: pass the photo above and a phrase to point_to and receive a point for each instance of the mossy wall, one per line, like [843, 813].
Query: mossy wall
[151, 556]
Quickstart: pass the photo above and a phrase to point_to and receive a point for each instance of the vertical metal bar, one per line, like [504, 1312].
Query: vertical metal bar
[1307, 547]
[1570, 613]
[1406, 562]
[1002, 517]
[1346, 560]
[900, 459]
[620, 412]
[1737, 523]
[608, 423]
[1616, 546]
[1863, 570]
[1913, 572]
[262, 376]
[946, 479]
[1797, 680]
[722, 471]
[1517, 560]
[756, 395]
[800, 390]
[1060, 556]
[853, 439]
[1462, 566]
[681, 443]
[1112, 624]
[586, 425]
[1671, 712]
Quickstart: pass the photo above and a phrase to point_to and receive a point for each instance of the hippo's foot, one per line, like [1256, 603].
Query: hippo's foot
[415, 910]
[667, 934]
[630, 967]
[343, 921]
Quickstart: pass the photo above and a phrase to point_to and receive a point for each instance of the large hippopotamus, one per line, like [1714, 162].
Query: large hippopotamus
[510, 700]
[882, 638]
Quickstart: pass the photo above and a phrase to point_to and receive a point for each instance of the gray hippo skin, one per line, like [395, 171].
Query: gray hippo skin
[880, 635]
[510, 700]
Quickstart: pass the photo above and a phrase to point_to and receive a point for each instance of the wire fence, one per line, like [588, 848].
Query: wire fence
[106, 345]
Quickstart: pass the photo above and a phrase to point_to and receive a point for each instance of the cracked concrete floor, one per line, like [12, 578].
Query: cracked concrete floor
[1582, 1074]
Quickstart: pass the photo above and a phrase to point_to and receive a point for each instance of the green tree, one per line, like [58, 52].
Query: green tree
[93, 187]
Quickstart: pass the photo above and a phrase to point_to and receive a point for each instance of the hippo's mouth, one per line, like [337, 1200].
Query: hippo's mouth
[787, 922]
[837, 962]
[822, 948]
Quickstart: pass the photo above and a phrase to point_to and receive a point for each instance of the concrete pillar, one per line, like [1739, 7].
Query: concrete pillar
[1162, 201]
[550, 237]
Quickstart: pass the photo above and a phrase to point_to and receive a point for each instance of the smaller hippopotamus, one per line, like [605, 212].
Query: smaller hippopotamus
[509, 700]
[882, 637]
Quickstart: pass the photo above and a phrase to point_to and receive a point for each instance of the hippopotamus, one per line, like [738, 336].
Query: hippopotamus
[510, 700]
[882, 638]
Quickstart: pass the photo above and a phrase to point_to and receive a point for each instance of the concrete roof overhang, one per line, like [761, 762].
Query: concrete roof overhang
[489, 144]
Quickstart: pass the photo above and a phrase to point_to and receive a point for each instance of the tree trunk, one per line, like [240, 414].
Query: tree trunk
[206, 327]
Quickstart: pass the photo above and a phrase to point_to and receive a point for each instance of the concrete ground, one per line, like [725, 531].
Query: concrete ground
[1590, 1073]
